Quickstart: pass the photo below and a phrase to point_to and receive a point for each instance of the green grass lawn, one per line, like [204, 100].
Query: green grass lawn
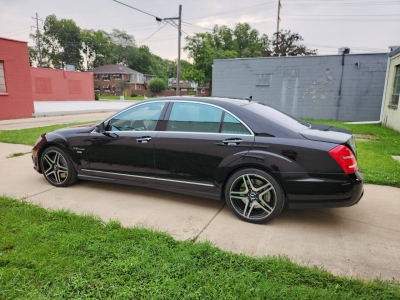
[53, 255]
[29, 136]
[375, 156]
[111, 97]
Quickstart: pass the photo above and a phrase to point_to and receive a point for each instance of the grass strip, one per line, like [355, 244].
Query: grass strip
[16, 154]
[29, 136]
[375, 156]
[58, 254]
[112, 97]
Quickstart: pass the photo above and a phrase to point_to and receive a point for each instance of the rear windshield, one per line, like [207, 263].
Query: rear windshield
[277, 117]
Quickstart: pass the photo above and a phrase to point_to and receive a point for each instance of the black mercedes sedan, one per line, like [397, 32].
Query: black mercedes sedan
[255, 158]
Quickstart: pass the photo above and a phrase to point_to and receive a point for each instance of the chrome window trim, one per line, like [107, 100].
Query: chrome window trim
[197, 102]
[135, 105]
[173, 101]
[146, 177]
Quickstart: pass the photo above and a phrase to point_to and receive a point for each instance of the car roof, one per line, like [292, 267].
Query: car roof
[234, 101]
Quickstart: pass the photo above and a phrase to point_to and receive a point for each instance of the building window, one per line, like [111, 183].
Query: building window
[140, 87]
[106, 77]
[203, 91]
[96, 76]
[396, 88]
[2, 79]
[106, 88]
[117, 76]
[97, 88]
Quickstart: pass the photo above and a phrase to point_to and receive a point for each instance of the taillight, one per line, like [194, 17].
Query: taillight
[345, 158]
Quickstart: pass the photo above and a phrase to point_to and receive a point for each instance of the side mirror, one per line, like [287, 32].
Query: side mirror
[99, 128]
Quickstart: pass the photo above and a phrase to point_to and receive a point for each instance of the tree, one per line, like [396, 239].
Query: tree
[222, 43]
[157, 85]
[286, 44]
[97, 48]
[61, 43]
[123, 85]
[122, 44]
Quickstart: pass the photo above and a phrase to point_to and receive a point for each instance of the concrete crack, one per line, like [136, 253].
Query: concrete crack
[197, 236]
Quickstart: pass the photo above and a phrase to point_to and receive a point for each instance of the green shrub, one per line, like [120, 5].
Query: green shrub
[133, 95]
[157, 85]
[96, 97]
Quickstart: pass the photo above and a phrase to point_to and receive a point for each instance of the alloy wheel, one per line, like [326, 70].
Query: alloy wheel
[253, 196]
[55, 167]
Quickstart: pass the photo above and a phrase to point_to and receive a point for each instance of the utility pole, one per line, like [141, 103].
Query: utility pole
[38, 38]
[178, 71]
[277, 21]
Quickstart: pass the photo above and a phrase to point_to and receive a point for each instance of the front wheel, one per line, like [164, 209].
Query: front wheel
[254, 196]
[57, 167]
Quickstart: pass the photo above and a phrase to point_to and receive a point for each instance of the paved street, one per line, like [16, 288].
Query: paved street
[361, 241]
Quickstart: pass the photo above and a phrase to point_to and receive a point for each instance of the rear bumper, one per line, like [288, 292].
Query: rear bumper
[351, 196]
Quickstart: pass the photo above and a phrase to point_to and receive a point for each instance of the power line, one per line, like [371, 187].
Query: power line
[157, 18]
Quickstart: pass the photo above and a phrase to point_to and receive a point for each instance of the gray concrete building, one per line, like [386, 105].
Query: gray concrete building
[317, 87]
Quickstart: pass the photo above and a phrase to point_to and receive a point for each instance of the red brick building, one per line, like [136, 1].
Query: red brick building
[21, 85]
[59, 85]
[107, 78]
[16, 98]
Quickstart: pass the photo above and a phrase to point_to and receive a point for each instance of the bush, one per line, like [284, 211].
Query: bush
[133, 95]
[96, 97]
[157, 85]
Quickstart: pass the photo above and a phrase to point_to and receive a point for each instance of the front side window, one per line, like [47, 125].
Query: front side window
[139, 118]
[2, 79]
[396, 88]
[194, 117]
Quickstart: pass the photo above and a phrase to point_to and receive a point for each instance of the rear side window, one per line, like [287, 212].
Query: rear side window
[232, 125]
[276, 116]
[194, 117]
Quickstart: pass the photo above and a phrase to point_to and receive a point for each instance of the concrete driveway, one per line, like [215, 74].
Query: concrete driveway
[361, 241]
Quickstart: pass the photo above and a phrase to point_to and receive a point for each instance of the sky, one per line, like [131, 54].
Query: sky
[365, 26]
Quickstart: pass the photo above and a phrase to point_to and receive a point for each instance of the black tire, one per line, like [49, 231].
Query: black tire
[57, 167]
[254, 196]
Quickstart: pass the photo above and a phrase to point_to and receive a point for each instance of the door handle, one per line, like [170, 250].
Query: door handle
[231, 142]
[144, 139]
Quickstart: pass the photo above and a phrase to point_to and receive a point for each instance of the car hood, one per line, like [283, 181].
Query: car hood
[76, 129]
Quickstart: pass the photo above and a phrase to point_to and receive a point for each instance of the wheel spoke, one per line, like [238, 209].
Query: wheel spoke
[65, 169]
[48, 160]
[245, 208]
[242, 192]
[57, 176]
[246, 177]
[263, 208]
[250, 209]
[47, 173]
[57, 159]
[264, 187]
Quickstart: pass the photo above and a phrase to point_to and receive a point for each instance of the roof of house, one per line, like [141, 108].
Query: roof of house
[113, 69]
[394, 52]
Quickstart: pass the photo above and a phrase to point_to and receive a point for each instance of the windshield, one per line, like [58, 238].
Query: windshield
[277, 116]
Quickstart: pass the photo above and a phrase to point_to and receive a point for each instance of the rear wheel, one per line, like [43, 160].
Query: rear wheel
[254, 196]
[57, 167]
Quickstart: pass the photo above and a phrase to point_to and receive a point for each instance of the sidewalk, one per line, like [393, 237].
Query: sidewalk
[65, 112]
[55, 108]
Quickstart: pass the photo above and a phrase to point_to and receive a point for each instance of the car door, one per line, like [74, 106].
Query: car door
[125, 150]
[197, 141]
